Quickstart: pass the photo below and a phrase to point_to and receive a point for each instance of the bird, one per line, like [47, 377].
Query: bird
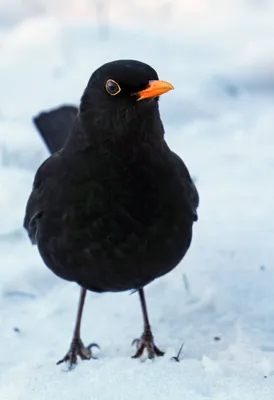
[113, 208]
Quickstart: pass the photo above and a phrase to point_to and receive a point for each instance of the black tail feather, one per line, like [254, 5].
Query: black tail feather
[55, 126]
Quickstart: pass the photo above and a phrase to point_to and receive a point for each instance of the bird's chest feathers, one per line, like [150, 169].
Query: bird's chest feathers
[131, 190]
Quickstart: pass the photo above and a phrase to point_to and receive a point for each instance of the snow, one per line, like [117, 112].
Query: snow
[219, 56]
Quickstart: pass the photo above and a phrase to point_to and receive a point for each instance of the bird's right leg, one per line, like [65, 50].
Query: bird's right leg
[146, 341]
[77, 347]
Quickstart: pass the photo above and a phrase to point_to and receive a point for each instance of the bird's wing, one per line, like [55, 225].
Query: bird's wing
[37, 198]
[55, 126]
[191, 190]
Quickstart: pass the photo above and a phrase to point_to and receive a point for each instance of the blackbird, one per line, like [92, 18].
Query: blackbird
[113, 209]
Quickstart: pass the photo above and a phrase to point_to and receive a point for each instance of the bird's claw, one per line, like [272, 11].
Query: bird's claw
[148, 344]
[77, 348]
[89, 347]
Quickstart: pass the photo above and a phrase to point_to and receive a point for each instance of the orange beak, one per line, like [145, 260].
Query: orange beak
[154, 89]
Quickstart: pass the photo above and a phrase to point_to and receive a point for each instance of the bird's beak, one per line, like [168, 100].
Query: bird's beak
[154, 89]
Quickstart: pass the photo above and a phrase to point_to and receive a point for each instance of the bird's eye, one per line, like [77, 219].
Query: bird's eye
[112, 87]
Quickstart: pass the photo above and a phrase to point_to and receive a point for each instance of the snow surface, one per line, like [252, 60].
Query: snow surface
[219, 56]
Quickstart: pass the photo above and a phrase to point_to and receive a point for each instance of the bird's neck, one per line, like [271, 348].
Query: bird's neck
[128, 132]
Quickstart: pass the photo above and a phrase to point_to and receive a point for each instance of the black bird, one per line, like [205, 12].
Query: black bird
[114, 208]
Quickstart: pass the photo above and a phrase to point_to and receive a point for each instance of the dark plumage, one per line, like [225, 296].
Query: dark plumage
[55, 126]
[114, 208]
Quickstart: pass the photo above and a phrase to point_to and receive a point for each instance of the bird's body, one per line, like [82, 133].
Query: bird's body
[113, 220]
[113, 209]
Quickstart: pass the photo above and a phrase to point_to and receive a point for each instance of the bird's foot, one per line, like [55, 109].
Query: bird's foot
[146, 342]
[77, 348]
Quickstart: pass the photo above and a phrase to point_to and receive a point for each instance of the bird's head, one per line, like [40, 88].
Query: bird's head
[122, 94]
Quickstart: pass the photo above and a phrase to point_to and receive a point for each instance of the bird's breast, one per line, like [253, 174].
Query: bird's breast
[117, 229]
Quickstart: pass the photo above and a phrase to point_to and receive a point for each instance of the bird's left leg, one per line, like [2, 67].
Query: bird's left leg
[146, 341]
[77, 347]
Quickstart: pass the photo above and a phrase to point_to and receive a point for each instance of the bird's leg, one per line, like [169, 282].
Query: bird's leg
[77, 347]
[146, 341]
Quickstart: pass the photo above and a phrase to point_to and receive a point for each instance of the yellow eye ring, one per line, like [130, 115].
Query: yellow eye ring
[112, 87]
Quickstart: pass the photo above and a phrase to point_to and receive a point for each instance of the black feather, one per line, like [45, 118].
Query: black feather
[55, 126]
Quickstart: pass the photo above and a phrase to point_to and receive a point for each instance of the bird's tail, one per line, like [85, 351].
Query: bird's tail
[55, 126]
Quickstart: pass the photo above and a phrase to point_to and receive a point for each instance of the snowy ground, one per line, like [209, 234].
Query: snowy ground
[219, 56]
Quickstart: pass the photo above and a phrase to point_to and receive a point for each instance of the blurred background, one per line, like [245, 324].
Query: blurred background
[219, 55]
